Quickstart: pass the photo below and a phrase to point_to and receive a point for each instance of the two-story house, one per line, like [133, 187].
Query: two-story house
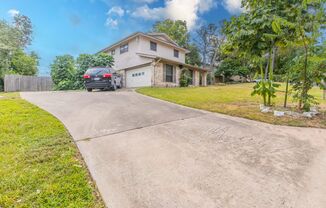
[152, 59]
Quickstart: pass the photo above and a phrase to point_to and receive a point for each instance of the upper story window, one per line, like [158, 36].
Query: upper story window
[124, 48]
[113, 52]
[153, 46]
[176, 53]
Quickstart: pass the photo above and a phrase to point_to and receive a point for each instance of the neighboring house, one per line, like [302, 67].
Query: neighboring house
[152, 59]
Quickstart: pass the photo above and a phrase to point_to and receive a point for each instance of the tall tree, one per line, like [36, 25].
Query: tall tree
[177, 30]
[8, 44]
[204, 41]
[252, 34]
[24, 28]
[14, 37]
[193, 56]
[306, 18]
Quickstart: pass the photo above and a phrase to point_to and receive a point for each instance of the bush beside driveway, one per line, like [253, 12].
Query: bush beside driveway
[39, 164]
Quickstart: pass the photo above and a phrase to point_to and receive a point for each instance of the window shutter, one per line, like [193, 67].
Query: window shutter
[164, 73]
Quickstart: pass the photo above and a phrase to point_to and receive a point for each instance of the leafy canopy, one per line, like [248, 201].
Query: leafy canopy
[24, 64]
[177, 30]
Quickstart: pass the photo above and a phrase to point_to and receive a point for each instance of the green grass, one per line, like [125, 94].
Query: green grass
[236, 100]
[39, 164]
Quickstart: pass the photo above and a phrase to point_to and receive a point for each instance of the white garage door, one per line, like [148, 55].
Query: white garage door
[140, 77]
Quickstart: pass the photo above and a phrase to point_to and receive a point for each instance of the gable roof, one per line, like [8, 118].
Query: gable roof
[153, 36]
[162, 36]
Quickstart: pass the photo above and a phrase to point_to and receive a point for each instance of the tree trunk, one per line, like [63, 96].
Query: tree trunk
[286, 90]
[267, 66]
[304, 84]
[273, 61]
[263, 82]
[270, 75]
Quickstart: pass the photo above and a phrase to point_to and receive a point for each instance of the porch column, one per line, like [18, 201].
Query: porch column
[204, 78]
[196, 78]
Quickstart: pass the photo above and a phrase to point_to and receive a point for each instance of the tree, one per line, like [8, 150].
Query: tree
[315, 73]
[103, 59]
[256, 34]
[8, 44]
[293, 23]
[14, 37]
[23, 26]
[177, 30]
[193, 57]
[24, 64]
[230, 67]
[63, 72]
[83, 62]
[204, 41]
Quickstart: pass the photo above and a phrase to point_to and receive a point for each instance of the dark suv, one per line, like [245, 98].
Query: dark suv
[102, 78]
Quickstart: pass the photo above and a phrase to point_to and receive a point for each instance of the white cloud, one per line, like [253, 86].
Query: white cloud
[206, 5]
[114, 14]
[187, 10]
[111, 22]
[13, 12]
[148, 13]
[233, 6]
[116, 10]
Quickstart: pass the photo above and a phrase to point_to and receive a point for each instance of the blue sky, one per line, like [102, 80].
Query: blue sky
[86, 26]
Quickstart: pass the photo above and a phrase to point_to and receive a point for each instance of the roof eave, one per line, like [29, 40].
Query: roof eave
[142, 34]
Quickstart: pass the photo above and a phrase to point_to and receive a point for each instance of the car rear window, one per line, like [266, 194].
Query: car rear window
[98, 71]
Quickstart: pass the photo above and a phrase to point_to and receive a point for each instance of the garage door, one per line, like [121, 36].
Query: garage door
[140, 77]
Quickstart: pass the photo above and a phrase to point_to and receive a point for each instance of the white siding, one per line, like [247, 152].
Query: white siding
[141, 44]
[130, 58]
[163, 50]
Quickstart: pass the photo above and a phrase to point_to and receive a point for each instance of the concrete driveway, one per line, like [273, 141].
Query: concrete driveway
[143, 152]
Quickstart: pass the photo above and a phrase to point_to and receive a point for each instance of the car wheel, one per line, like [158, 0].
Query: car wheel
[89, 89]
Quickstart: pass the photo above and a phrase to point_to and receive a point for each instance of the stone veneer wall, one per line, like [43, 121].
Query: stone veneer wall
[157, 76]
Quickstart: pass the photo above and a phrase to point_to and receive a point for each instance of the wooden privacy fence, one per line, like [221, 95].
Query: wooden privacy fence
[14, 83]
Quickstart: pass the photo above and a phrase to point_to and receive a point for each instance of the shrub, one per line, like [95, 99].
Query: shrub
[68, 74]
[185, 78]
[63, 72]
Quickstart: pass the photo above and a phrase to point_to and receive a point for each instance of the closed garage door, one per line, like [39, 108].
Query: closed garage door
[140, 77]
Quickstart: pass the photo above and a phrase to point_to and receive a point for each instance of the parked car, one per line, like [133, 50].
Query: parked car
[102, 78]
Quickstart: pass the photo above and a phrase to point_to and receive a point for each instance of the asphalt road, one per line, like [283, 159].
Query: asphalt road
[143, 152]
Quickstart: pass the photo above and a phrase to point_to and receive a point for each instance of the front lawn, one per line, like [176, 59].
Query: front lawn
[236, 100]
[39, 164]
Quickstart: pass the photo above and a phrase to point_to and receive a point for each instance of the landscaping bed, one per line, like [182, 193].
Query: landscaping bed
[236, 100]
[40, 165]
